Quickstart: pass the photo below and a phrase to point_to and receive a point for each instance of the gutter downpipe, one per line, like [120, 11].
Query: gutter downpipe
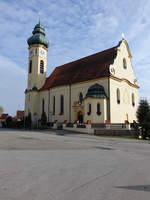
[70, 103]
[108, 104]
[48, 104]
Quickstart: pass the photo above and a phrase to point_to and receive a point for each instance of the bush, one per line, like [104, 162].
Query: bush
[43, 120]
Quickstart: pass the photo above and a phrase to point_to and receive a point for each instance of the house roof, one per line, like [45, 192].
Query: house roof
[84, 69]
[20, 114]
[4, 116]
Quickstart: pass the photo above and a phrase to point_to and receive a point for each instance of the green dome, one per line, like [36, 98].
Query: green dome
[38, 36]
[97, 91]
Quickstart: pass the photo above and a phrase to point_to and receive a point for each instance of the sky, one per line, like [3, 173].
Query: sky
[75, 29]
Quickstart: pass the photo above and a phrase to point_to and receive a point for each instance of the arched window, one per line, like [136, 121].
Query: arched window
[89, 109]
[80, 98]
[30, 67]
[124, 63]
[53, 105]
[61, 105]
[118, 96]
[43, 105]
[41, 66]
[98, 109]
[133, 100]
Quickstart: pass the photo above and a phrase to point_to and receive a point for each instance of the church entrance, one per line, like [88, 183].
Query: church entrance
[78, 112]
[80, 117]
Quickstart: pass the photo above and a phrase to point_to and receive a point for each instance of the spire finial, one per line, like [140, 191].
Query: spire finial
[39, 17]
[123, 36]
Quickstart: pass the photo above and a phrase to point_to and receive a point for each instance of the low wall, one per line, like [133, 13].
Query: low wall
[107, 131]
[111, 132]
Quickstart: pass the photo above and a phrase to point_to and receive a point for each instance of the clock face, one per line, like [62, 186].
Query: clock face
[42, 52]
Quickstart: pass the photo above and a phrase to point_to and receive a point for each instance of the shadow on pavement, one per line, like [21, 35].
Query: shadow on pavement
[145, 188]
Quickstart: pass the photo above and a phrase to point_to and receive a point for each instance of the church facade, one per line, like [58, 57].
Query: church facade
[100, 88]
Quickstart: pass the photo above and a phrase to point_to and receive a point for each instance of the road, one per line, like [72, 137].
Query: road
[68, 166]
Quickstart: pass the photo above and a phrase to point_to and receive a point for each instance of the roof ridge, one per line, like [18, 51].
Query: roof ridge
[86, 57]
[86, 68]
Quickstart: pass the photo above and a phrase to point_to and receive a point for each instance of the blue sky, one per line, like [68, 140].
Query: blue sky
[75, 28]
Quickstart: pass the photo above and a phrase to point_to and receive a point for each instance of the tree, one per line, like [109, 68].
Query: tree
[28, 121]
[9, 121]
[43, 119]
[143, 116]
[1, 110]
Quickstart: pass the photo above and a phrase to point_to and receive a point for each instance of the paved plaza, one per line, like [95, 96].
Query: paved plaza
[67, 166]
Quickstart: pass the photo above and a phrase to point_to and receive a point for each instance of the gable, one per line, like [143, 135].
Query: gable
[117, 69]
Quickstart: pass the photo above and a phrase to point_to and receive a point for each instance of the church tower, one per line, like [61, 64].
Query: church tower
[37, 61]
[37, 66]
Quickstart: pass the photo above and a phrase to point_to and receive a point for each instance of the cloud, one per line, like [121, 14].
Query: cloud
[102, 23]
[12, 82]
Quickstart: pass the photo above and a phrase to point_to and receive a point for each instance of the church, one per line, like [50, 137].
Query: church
[100, 88]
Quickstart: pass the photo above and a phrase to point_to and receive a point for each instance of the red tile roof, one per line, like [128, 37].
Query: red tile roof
[84, 69]
[4, 116]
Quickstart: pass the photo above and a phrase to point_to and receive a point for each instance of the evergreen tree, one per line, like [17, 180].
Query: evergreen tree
[29, 120]
[43, 119]
[9, 121]
[143, 116]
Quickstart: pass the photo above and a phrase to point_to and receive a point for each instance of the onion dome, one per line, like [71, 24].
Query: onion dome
[97, 91]
[38, 36]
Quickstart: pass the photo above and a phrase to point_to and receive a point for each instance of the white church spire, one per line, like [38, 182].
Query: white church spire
[123, 36]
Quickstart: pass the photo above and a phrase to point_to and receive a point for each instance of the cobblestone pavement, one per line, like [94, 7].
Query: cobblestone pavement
[57, 165]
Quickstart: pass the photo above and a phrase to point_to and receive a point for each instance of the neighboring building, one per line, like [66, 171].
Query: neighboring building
[20, 115]
[101, 87]
[3, 119]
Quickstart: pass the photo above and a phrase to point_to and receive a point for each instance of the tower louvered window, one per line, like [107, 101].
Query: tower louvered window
[30, 67]
[41, 66]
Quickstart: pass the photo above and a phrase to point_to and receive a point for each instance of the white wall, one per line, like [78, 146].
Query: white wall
[124, 80]
[93, 117]
[83, 87]
[65, 91]
[120, 72]
[57, 92]
[119, 111]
